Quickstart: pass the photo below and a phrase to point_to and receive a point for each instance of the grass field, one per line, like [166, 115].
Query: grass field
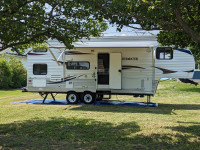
[175, 124]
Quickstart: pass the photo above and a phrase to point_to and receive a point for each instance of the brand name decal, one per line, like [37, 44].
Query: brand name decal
[129, 58]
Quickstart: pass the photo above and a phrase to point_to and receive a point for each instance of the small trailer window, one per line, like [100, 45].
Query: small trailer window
[40, 69]
[164, 53]
[78, 65]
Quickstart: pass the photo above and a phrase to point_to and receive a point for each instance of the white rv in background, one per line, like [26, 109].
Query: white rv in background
[106, 66]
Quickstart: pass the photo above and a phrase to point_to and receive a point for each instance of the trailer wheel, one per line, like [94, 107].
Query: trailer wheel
[88, 98]
[72, 98]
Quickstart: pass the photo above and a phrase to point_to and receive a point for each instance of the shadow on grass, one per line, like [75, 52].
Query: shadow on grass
[193, 89]
[3, 90]
[193, 131]
[189, 133]
[161, 109]
[189, 123]
[62, 133]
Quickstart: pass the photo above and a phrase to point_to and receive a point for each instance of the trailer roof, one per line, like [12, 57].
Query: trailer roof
[112, 42]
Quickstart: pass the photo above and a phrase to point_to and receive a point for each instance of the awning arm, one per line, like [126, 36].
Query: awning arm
[54, 56]
[60, 55]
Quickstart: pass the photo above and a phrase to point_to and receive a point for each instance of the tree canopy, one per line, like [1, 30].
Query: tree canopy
[33, 21]
[178, 20]
[25, 22]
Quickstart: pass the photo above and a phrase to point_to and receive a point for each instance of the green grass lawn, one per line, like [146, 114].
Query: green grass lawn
[174, 124]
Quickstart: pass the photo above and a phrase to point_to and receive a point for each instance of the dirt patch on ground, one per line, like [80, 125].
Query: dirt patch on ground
[163, 86]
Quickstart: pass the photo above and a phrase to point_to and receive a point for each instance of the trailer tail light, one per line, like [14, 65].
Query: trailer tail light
[29, 81]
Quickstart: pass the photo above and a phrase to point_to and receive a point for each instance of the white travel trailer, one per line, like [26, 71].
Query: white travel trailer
[106, 66]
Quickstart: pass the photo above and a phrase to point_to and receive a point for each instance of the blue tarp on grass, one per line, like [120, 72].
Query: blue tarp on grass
[196, 75]
[104, 102]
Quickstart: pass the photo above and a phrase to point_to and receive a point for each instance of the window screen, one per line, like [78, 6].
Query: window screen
[103, 68]
[78, 65]
[39, 69]
[164, 53]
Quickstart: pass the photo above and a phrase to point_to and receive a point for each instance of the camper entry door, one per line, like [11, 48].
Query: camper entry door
[109, 71]
[115, 71]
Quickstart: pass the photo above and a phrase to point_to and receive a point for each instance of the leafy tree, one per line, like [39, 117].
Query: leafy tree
[25, 22]
[178, 20]
[196, 52]
[31, 21]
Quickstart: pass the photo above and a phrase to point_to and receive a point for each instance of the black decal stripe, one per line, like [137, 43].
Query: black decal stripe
[189, 71]
[184, 50]
[165, 71]
[65, 79]
[130, 67]
[75, 53]
[61, 81]
[35, 54]
[79, 54]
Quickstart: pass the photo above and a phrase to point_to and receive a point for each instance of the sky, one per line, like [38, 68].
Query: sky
[127, 31]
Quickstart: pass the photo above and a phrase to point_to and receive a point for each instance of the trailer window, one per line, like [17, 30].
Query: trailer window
[78, 65]
[164, 53]
[40, 69]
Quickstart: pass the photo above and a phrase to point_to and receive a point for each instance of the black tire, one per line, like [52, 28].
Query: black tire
[88, 97]
[72, 98]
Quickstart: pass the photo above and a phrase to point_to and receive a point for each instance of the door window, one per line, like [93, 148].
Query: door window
[103, 69]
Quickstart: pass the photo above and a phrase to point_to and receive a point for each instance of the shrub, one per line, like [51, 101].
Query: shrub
[19, 73]
[12, 73]
[5, 74]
